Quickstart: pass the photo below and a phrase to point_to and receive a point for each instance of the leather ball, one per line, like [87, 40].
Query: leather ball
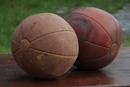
[44, 45]
[99, 35]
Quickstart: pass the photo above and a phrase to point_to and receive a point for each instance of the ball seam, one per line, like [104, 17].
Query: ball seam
[97, 23]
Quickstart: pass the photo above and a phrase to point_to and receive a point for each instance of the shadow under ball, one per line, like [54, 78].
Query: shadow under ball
[99, 35]
[44, 45]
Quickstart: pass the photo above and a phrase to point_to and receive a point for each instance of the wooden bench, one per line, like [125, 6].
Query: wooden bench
[115, 74]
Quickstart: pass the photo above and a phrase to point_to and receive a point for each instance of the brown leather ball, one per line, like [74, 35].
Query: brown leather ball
[44, 45]
[99, 35]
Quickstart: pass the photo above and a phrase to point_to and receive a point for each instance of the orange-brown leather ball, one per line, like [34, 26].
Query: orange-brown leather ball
[99, 35]
[44, 45]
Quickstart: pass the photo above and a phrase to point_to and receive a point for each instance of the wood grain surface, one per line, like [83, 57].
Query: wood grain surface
[115, 74]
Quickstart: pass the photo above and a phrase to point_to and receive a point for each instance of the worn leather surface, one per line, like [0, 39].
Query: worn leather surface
[44, 45]
[99, 35]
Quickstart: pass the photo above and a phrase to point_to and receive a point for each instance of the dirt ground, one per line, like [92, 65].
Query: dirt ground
[123, 16]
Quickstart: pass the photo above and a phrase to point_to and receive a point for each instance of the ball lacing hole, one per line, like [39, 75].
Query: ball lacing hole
[113, 48]
[24, 45]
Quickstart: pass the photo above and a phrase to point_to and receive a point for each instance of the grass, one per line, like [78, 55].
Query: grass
[12, 12]
[126, 41]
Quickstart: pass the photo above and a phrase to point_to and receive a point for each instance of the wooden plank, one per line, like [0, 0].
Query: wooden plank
[115, 74]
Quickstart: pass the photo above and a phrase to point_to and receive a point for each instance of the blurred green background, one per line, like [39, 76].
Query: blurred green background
[12, 12]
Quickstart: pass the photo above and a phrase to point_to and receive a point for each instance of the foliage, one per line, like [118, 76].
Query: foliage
[12, 12]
